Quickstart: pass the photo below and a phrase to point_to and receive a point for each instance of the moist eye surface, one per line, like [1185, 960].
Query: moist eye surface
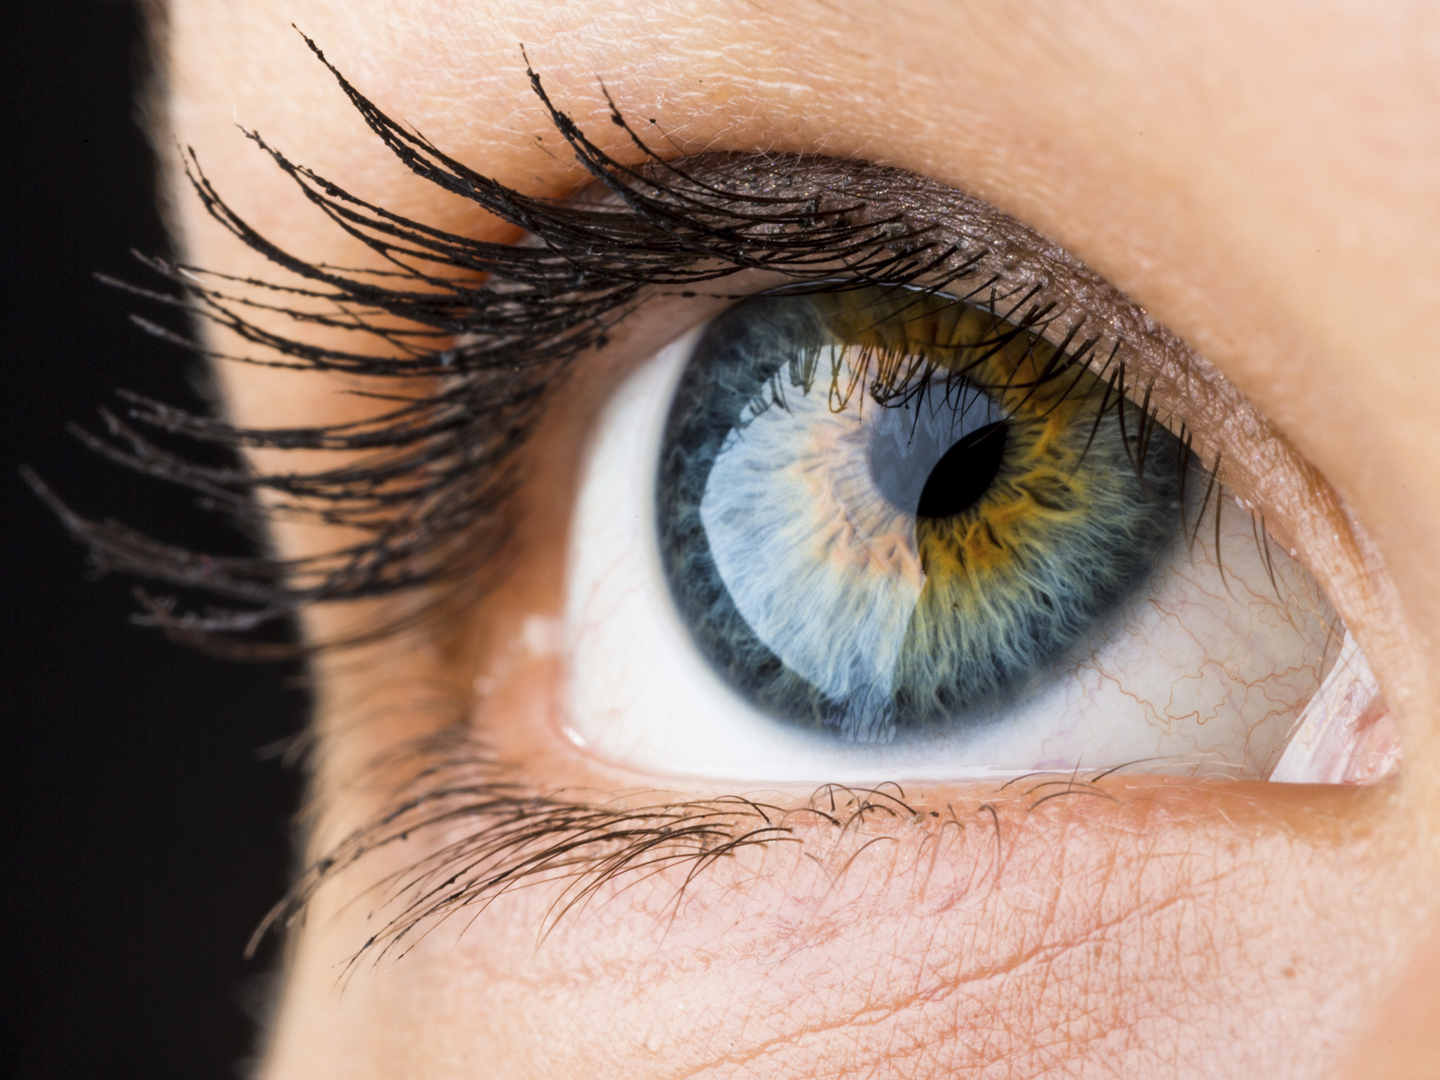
[884, 513]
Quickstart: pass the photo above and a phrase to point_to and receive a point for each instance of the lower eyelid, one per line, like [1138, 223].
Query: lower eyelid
[470, 819]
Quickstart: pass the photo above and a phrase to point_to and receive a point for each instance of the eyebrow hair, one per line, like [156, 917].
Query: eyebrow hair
[490, 326]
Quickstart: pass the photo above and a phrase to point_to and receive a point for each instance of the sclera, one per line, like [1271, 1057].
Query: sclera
[642, 696]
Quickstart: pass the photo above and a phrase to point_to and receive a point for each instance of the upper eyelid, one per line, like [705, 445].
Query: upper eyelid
[1254, 462]
[1080, 306]
[889, 211]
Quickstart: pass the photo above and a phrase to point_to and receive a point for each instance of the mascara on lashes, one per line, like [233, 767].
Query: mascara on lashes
[466, 435]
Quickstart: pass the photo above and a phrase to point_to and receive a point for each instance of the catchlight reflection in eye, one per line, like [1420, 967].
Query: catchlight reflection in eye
[884, 534]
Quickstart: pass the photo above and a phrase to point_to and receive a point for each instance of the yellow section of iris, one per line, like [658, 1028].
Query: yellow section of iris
[899, 341]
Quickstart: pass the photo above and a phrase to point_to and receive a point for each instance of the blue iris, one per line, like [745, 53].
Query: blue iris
[886, 512]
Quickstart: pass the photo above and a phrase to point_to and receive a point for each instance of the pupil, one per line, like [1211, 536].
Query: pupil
[962, 475]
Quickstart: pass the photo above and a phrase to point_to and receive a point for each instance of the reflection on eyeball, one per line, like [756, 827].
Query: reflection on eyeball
[884, 534]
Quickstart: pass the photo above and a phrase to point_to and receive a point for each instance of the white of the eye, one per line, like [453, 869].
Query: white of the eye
[1203, 674]
[640, 694]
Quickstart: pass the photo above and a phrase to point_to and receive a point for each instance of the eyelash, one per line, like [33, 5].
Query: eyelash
[434, 468]
[525, 839]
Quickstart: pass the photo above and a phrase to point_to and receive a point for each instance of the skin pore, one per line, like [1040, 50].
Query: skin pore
[1261, 178]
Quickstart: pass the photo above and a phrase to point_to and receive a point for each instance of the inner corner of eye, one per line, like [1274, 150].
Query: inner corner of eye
[886, 534]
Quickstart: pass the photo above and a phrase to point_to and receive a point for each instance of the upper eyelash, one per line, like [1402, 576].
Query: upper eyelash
[431, 469]
[540, 308]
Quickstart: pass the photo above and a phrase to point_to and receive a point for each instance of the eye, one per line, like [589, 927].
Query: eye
[867, 533]
[856, 530]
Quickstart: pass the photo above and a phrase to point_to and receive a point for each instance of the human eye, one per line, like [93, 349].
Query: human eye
[1209, 619]
[548, 834]
[862, 531]
[922, 497]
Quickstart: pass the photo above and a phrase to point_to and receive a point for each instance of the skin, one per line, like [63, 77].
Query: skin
[1265, 180]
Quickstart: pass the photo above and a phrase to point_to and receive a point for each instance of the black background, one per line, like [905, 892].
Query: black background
[144, 833]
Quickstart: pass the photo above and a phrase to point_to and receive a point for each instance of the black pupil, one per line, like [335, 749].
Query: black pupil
[962, 475]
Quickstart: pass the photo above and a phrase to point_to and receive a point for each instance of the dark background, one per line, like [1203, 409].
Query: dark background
[144, 833]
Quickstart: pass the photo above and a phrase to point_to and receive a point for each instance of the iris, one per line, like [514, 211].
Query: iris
[886, 512]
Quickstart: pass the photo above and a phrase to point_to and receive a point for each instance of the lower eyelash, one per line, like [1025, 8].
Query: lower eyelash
[486, 836]
[514, 839]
